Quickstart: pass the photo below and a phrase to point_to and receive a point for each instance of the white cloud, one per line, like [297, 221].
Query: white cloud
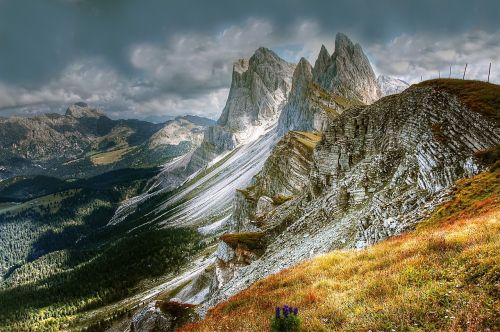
[411, 56]
[191, 72]
[193, 62]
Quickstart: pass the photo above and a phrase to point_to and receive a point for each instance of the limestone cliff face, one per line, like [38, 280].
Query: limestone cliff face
[258, 89]
[377, 171]
[283, 178]
[286, 170]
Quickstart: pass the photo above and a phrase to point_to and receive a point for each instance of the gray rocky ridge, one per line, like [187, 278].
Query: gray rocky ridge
[377, 171]
[336, 83]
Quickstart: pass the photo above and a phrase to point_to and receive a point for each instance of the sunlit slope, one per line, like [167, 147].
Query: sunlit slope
[443, 276]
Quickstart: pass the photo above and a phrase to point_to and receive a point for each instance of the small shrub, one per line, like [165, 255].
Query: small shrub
[289, 321]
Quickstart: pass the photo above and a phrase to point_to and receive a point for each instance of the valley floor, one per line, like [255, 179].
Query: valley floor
[444, 276]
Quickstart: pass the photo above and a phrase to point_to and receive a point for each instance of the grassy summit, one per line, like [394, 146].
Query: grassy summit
[443, 276]
[478, 96]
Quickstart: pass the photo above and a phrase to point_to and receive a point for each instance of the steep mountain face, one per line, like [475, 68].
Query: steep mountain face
[259, 90]
[347, 72]
[452, 255]
[284, 175]
[377, 171]
[390, 85]
[336, 83]
[231, 153]
[84, 142]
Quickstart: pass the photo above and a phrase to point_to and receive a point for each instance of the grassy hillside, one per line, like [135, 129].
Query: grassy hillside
[480, 97]
[443, 276]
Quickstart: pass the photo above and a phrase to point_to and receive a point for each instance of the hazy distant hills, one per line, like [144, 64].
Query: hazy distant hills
[84, 141]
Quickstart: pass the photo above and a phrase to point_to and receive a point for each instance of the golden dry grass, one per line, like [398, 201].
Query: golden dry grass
[443, 277]
[478, 96]
[306, 138]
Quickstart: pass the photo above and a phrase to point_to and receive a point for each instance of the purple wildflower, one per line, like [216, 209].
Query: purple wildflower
[277, 312]
[295, 311]
[286, 310]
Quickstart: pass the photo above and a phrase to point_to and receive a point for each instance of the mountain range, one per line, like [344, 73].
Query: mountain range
[166, 226]
[86, 142]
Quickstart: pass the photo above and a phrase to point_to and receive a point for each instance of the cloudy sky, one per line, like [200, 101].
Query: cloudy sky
[153, 59]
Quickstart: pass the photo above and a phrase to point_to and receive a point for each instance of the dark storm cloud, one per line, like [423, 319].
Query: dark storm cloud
[175, 56]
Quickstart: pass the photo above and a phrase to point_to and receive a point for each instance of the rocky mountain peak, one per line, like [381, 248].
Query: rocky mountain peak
[83, 110]
[343, 43]
[302, 76]
[349, 74]
[322, 62]
[336, 83]
[259, 90]
[265, 54]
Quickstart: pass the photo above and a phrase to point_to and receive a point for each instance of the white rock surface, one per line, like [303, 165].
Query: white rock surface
[390, 85]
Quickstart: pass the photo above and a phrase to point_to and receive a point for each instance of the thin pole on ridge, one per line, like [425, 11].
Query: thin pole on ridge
[489, 71]
[465, 70]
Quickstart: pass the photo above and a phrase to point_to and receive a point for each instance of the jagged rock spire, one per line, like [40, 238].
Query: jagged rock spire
[259, 90]
[259, 87]
[349, 74]
[322, 62]
[302, 76]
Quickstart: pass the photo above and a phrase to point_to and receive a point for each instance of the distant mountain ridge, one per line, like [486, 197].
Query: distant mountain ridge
[85, 141]
[390, 85]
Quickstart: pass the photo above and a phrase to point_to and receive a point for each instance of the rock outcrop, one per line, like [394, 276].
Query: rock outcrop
[336, 82]
[377, 171]
[259, 90]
